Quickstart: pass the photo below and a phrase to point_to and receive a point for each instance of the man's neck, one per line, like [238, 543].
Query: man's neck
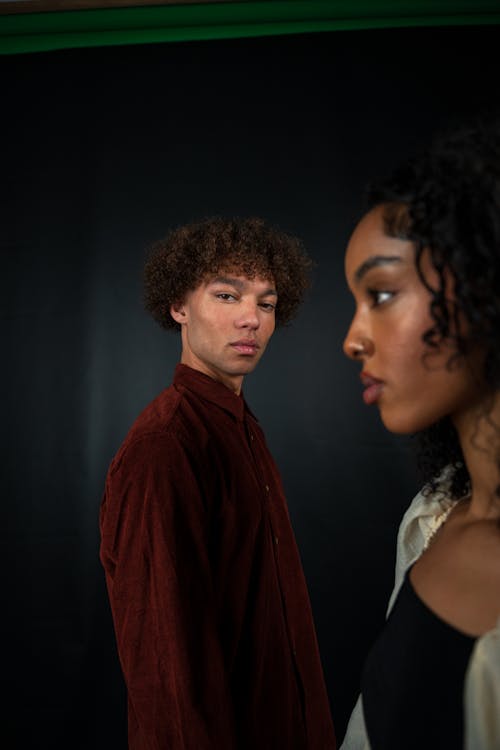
[233, 382]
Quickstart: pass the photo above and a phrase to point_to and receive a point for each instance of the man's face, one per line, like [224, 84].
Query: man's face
[226, 323]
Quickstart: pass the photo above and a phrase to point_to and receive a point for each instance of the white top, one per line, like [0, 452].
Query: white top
[482, 681]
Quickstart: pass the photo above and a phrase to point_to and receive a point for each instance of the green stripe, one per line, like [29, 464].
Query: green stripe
[35, 32]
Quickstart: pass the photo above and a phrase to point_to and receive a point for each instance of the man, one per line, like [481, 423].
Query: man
[210, 606]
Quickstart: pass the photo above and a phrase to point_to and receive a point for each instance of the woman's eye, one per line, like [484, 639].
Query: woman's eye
[379, 296]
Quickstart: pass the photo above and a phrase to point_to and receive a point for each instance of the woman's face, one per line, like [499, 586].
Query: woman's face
[412, 384]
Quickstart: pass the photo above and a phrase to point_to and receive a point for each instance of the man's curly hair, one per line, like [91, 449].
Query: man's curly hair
[451, 200]
[193, 253]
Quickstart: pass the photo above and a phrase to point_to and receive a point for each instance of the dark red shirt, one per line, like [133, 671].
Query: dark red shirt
[210, 606]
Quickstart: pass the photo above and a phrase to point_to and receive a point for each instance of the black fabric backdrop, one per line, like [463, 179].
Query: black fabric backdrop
[103, 150]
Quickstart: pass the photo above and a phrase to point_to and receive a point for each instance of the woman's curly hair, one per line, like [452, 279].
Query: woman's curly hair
[451, 200]
[192, 253]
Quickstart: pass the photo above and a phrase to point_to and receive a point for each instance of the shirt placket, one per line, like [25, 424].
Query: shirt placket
[265, 483]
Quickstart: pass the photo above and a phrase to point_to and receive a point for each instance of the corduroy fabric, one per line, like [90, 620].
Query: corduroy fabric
[211, 611]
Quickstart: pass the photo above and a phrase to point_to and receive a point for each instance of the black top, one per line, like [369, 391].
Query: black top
[413, 679]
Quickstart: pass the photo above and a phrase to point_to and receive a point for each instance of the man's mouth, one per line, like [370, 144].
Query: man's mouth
[245, 346]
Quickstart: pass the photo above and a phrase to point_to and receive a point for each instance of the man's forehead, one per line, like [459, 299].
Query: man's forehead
[241, 280]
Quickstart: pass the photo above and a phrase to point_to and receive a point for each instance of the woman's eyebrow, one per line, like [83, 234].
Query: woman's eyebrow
[374, 261]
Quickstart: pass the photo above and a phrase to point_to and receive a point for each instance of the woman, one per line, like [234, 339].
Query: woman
[423, 266]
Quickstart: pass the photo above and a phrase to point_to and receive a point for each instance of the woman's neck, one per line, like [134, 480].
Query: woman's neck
[479, 434]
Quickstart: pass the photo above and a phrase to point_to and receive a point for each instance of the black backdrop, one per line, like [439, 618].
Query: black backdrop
[102, 151]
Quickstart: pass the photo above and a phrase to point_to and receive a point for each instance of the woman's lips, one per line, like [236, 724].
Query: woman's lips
[373, 388]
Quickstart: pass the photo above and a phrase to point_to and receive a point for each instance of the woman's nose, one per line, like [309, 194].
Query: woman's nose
[357, 345]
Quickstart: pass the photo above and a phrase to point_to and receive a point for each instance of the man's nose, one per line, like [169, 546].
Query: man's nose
[248, 315]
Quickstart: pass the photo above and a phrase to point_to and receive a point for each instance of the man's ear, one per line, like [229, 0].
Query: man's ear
[178, 312]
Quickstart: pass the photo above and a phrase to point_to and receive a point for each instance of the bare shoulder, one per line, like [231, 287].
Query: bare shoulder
[458, 576]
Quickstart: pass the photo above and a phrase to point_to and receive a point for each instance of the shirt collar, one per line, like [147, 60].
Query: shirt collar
[211, 390]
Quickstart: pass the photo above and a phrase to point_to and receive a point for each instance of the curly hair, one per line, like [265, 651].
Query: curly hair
[450, 195]
[192, 253]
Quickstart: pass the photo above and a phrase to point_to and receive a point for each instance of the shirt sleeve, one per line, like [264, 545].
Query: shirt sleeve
[154, 549]
[409, 545]
[423, 517]
[482, 694]
[356, 737]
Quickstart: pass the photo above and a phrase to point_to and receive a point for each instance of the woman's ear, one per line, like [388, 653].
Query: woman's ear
[178, 312]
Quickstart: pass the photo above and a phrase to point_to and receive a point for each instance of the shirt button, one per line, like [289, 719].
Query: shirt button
[276, 540]
[251, 436]
[267, 488]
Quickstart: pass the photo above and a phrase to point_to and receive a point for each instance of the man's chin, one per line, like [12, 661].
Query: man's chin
[245, 367]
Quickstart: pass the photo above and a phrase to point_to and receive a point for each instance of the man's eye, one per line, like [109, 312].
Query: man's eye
[268, 306]
[225, 296]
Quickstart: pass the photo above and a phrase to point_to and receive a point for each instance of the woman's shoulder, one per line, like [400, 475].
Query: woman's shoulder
[426, 512]
[487, 650]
